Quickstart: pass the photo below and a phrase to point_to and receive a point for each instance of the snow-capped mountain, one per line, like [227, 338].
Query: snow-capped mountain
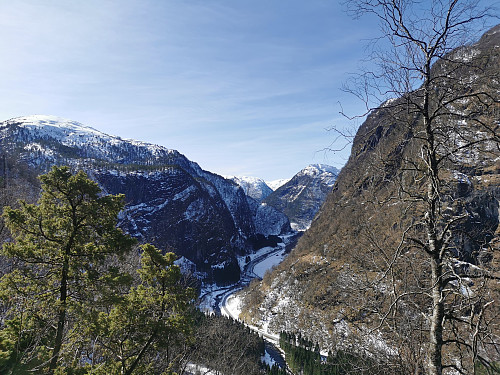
[302, 196]
[39, 134]
[275, 184]
[171, 201]
[254, 187]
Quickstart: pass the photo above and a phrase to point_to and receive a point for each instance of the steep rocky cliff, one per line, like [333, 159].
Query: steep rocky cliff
[321, 290]
[171, 201]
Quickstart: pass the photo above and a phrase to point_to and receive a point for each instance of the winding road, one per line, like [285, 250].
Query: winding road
[271, 341]
[217, 300]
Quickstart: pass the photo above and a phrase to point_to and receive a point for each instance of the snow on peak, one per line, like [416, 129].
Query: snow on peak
[54, 125]
[312, 170]
[316, 169]
[74, 134]
[254, 187]
[275, 184]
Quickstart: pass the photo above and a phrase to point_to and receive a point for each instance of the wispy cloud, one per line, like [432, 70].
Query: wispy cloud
[247, 86]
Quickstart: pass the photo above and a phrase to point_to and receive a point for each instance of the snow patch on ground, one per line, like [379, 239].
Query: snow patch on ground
[266, 358]
[183, 195]
[261, 268]
[194, 369]
[299, 227]
[233, 307]
[186, 265]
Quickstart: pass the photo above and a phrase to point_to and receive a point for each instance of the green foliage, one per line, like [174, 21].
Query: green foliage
[152, 316]
[59, 246]
[303, 356]
[69, 308]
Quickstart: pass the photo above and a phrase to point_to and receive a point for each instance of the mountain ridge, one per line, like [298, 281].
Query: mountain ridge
[320, 289]
[171, 201]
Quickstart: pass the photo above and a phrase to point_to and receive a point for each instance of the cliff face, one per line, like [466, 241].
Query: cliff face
[320, 288]
[302, 196]
[171, 201]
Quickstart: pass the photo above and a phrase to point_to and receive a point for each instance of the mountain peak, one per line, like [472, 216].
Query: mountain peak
[320, 168]
[254, 187]
[49, 121]
[301, 197]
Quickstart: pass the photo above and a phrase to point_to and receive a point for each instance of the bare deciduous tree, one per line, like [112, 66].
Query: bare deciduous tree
[445, 93]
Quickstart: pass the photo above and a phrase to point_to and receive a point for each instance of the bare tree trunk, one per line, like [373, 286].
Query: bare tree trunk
[436, 330]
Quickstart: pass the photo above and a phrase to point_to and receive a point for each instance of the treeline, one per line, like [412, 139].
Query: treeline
[227, 346]
[78, 296]
[303, 357]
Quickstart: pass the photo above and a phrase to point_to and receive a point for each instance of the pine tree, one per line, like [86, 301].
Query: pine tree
[58, 249]
[152, 317]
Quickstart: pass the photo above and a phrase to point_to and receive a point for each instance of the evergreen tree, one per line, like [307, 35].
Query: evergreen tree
[152, 317]
[58, 248]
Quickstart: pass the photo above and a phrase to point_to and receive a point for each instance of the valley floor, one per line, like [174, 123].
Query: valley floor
[222, 299]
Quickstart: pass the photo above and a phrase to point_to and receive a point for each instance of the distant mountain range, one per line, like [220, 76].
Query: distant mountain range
[299, 198]
[171, 201]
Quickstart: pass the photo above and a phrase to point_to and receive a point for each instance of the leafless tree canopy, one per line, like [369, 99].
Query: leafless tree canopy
[443, 92]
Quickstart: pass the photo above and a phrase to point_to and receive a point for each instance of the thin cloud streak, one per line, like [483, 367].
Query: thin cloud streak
[248, 84]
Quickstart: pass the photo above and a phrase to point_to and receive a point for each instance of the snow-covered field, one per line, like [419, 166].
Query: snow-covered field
[260, 268]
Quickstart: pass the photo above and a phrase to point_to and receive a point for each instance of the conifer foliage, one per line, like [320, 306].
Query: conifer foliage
[149, 318]
[303, 357]
[67, 306]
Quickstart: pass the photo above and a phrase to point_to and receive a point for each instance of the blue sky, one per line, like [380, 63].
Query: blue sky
[243, 87]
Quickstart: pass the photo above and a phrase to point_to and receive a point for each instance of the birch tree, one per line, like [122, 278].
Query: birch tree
[447, 97]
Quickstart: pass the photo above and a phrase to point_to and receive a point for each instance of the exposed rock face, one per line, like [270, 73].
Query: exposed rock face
[317, 289]
[171, 201]
[255, 188]
[303, 195]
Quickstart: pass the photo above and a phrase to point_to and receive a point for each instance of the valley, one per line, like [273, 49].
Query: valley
[223, 300]
[331, 262]
[213, 298]
[249, 191]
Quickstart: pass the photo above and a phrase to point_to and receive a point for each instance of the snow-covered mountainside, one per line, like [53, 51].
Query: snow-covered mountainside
[303, 195]
[253, 187]
[275, 184]
[171, 201]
